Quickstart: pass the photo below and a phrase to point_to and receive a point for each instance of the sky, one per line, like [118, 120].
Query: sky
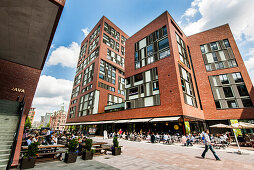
[80, 16]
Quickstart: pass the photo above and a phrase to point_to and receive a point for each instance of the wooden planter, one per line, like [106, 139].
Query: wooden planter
[116, 151]
[27, 163]
[70, 157]
[87, 155]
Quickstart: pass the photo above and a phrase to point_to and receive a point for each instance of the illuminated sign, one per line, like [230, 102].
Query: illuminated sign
[18, 90]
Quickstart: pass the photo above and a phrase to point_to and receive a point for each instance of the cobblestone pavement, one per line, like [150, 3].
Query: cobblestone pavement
[142, 155]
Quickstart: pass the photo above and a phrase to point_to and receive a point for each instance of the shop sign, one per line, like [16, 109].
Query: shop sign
[18, 90]
[187, 127]
[236, 131]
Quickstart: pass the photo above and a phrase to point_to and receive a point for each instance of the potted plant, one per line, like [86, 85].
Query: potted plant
[29, 158]
[88, 152]
[71, 155]
[116, 150]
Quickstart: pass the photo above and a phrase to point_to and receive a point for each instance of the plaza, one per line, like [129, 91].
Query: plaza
[143, 155]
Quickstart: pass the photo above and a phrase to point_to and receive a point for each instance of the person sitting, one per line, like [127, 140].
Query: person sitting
[54, 140]
[29, 140]
[148, 138]
[158, 138]
[184, 139]
[152, 138]
[165, 138]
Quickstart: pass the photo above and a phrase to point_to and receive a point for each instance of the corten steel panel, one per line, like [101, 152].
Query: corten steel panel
[171, 95]
[102, 55]
[210, 111]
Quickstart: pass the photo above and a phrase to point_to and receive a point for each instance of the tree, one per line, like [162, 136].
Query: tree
[40, 126]
[48, 125]
[28, 123]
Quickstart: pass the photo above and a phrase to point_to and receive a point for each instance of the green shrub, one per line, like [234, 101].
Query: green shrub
[115, 142]
[32, 150]
[73, 145]
[88, 144]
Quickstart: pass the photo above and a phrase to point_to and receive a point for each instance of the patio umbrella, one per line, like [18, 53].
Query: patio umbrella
[242, 125]
[230, 127]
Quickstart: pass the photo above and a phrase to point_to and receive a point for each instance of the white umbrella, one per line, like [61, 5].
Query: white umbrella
[230, 127]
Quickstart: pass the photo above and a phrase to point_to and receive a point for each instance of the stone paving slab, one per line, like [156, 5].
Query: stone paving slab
[143, 155]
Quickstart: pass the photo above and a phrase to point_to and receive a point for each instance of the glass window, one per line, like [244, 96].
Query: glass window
[214, 46]
[155, 85]
[133, 91]
[247, 102]
[224, 79]
[164, 30]
[214, 57]
[242, 90]
[163, 44]
[150, 49]
[226, 43]
[219, 65]
[237, 77]
[208, 67]
[228, 92]
[164, 54]
[232, 104]
[138, 77]
[218, 105]
[202, 47]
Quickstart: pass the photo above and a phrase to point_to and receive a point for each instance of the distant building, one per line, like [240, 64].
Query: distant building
[58, 119]
[35, 124]
[31, 114]
[42, 122]
[47, 119]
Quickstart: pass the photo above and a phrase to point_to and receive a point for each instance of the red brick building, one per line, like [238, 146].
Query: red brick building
[27, 30]
[177, 83]
[57, 120]
[31, 114]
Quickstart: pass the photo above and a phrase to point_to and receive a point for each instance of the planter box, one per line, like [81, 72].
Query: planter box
[116, 151]
[27, 163]
[70, 157]
[87, 155]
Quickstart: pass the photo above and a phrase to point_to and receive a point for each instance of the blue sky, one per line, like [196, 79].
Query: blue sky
[193, 16]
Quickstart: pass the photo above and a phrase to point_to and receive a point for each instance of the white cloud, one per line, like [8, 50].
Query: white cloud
[65, 56]
[239, 15]
[50, 95]
[85, 31]
[249, 63]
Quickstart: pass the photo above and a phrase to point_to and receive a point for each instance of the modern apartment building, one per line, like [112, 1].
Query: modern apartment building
[173, 82]
[99, 79]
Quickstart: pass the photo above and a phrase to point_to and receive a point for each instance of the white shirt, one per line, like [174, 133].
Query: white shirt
[207, 139]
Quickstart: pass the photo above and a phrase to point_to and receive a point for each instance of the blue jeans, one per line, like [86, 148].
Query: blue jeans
[211, 148]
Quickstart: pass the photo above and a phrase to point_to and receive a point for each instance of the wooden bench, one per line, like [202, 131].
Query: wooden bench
[60, 157]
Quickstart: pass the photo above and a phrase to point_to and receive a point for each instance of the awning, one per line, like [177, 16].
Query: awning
[165, 119]
[122, 121]
[70, 124]
[140, 120]
[105, 122]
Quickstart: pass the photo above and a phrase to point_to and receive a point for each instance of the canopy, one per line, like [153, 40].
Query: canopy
[122, 121]
[140, 120]
[165, 119]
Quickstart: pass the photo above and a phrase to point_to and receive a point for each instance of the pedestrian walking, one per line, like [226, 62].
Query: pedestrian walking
[208, 145]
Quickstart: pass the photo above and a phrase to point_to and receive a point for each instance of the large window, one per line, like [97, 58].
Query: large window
[83, 50]
[86, 104]
[111, 31]
[218, 55]
[75, 92]
[187, 87]
[88, 60]
[142, 90]
[152, 48]
[77, 79]
[105, 86]
[123, 40]
[88, 74]
[93, 45]
[107, 72]
[229, 91]
[121, 86]
[110, 42]
[95, 33]
[111, 55]
[182, 50]
[72, 112]
[114, 99]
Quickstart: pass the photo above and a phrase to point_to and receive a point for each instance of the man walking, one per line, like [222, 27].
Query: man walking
[208, 145]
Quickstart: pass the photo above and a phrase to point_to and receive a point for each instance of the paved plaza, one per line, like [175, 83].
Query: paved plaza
[142, 155]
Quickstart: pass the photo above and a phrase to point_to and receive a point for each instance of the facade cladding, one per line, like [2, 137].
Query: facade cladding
[160, 72]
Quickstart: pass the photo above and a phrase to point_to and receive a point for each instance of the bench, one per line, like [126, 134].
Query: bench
[53, 154]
